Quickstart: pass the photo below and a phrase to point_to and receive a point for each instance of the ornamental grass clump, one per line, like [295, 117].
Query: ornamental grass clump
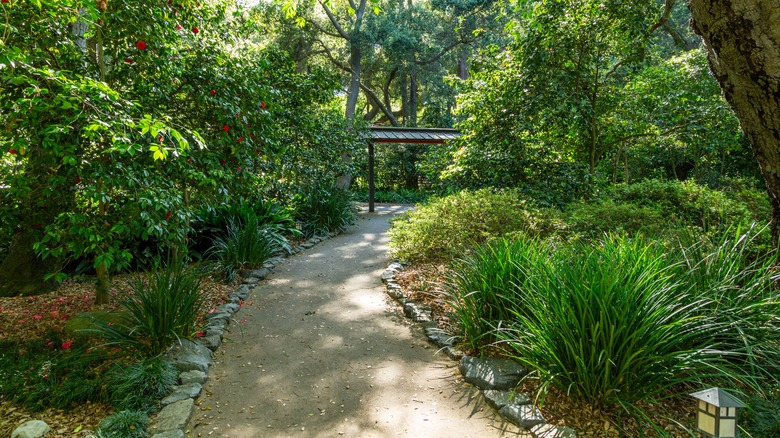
[162, 308]
[247, 244]
[482, 287]
[626, 322]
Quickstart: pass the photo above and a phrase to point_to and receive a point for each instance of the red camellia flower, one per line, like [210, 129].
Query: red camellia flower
[11, 151]
[239, 169]
[239, 139]
[226, 128]
[195, 30]
[67, 345]
[168, 216]
[200, 334]
[263, 105]
[178, 26]
[221, 161]
[213, 92]
[78, 179]
[160, 138]
[189, 160]
[141, 45]
[129, 60]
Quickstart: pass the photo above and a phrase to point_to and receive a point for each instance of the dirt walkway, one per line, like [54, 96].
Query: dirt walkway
[322, 352]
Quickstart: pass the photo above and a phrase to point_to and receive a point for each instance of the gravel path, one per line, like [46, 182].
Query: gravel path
[318, 350]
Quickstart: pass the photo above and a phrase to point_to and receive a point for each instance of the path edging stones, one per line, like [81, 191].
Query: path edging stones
[192, 359]
[494, 377]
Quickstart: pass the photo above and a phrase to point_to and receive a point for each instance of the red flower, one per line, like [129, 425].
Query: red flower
[195, 30]
[200, 334]
[239, 139]
[213, 92]
[67, 345]
[160, 138]
[226, 128]
[239, 169]
[168, 216]
[129, 60]
[78, 179]
[11, 151]
[37, 317]
[257, 151]
[3, 1]
[189, 160]
[221, 161]
[178, 26]
[262, 105]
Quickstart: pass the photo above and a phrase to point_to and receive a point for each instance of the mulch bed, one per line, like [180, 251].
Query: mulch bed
[35, 317]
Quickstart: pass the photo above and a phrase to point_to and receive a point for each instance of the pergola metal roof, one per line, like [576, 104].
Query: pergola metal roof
[383, 134]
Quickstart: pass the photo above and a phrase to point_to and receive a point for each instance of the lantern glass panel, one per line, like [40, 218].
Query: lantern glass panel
[706, 423]
[711, 409]
[728, 428]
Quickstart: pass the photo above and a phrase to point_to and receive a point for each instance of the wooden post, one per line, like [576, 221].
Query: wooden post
[370, 176]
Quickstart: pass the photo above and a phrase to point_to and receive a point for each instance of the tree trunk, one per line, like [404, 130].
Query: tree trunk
[355, 55]
[413, 97]
[743, 46]
[463, 66]
[404, 99]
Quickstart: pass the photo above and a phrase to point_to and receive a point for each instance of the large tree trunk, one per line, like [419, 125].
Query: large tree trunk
[743, 44]
[413, 97]
[353, 91]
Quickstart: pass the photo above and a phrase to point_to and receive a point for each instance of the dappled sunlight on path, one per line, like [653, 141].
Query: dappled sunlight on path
[322, 352]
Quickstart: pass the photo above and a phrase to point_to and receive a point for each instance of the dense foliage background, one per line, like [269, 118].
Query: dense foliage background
[596, 146]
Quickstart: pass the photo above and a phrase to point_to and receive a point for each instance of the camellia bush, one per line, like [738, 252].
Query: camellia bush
[142, 115]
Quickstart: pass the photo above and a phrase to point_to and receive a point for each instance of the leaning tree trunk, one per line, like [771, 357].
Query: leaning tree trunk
[743, 44]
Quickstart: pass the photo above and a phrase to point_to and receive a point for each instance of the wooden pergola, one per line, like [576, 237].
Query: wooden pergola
[382, 134]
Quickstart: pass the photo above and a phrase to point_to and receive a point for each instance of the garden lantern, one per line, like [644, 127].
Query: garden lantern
[716, 413]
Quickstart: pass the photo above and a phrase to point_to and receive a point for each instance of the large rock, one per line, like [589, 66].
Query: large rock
[417, 312]
[170, 434]
[549, 431]
[192, 377]
[172, 417]
[188, 356]
[525, 416]
[181, 392]
[491, 373]
[499, 399]
[256, 273]
[438, 336]
[31, 429]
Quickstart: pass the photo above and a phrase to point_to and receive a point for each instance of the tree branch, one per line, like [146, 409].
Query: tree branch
[668, 6]
[334, 21]
[332, 59]
[378, 103]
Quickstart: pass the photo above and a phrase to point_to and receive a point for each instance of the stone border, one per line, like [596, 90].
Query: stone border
[192, 359]
[494, 377]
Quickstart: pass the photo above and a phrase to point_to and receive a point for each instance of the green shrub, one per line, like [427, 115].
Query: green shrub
[685, 203]
[214, 222]
[395, 196]
[619, 323]
[447, 227]
[762, 418]
[162, 308]
[323, 210]
[594, 219]
[247, 245]
[124, 424]
[140, 385]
